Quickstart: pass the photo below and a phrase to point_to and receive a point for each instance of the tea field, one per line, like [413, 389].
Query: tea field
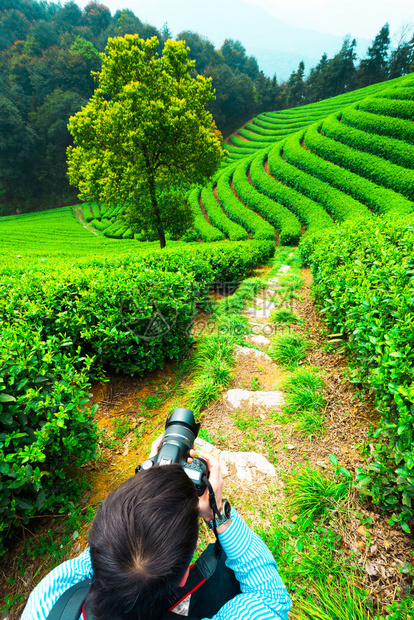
[82, 297]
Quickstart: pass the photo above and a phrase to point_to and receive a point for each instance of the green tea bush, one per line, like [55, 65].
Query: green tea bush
[45, 423]
[302, 176]
[397, 151]
[279, 216]
[218, 218]
[372, 167]
[363, 280]
[247, 144]
[87, 213]
[379, 124]
[254, 137]
[255, 225]
[127, 320]
[308, 211]
[100, 224]
[397, 93]
[320, 161]
[389, 107]
[206, 231]
[96, 211]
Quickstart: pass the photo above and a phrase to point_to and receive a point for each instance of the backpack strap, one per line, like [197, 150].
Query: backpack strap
[69, 605]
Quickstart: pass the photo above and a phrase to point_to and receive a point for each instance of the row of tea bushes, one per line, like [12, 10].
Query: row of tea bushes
[363, 274]
[396, 151]
[279, 216]
[299, 175]
[239, 213]
[311, 213]
[63, 326]
[323, 164]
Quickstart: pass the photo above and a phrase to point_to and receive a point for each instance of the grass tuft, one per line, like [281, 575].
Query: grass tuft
[310, 424]
[202, 393]
[325, 601]
[283, 316]
[291, 281]
[313, 494]
[288, 349]
[304, 391]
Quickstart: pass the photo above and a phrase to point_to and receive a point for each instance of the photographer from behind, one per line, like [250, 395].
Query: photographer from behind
[141, 544]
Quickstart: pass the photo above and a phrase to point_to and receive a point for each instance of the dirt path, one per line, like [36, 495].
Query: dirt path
[381, 549]
[78, 212]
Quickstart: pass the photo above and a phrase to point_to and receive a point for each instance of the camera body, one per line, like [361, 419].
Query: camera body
[181, 431]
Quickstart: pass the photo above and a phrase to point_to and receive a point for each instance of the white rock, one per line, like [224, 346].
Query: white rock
[284, 268]
[265, 303]
[205, 446]
[290, 446]
[274, 283]
[269, 399]
[259, 355]
[245, 464]
[258, 340]
[236, 397]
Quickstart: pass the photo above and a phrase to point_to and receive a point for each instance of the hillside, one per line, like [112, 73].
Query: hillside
[319, 164]
[270, 127]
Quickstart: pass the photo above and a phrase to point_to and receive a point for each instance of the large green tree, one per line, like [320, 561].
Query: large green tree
[145, 134]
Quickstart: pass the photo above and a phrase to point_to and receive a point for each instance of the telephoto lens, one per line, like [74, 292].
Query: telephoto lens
[181, 431]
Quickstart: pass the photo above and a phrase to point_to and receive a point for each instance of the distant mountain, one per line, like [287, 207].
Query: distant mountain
[277, 46]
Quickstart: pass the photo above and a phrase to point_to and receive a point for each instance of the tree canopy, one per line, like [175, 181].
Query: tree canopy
[145, 135]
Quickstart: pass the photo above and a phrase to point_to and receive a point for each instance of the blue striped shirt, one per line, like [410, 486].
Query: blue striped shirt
[263, 595]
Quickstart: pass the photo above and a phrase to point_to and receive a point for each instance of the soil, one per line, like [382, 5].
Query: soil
[78, 211]
[383, 551]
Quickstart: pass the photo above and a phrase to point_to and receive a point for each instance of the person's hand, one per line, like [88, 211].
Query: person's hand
[216, 482]
[156, 444]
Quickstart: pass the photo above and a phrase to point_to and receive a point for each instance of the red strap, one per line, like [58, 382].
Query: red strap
[175, 604]
[185, 596]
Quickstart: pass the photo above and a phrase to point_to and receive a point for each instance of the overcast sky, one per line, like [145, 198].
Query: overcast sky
[360, 18]
[279, 33]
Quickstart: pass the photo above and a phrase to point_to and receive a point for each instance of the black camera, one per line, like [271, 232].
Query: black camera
[181, 431]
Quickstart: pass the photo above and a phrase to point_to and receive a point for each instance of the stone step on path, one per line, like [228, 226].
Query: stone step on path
[274, 282]
[237, 398]
[258, 340]
[243, 465]
[262, 309]
[259, 356]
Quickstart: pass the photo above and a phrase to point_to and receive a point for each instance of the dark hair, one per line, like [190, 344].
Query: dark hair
[141, 542]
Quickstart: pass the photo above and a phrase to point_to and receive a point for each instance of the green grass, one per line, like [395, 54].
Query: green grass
[303, 391]
[310, 424]
[313, 494]
[325, 601]
[283, 316]
[291, 281]
[288, 349]
[202, 393]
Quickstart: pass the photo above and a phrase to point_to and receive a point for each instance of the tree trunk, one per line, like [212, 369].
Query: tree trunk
[157, 216]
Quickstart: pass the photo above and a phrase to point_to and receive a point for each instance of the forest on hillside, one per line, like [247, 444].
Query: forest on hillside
[48, 51]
